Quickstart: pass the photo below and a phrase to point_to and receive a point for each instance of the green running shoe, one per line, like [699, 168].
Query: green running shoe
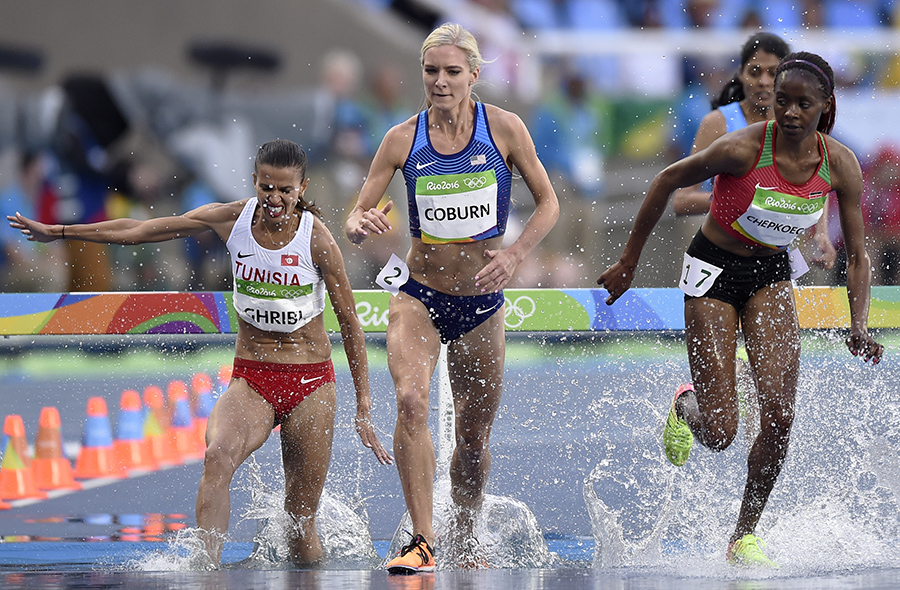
[677, 437]
[747, 552]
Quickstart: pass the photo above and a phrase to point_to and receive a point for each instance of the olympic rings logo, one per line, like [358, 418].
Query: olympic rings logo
[477, 182]
[519, 310]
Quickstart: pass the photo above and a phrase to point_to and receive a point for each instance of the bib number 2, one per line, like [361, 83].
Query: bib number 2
[394, 274]
[697, 276]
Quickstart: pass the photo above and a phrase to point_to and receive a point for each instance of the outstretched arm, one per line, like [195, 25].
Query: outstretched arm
[327, 257]
[618, 277]
[733, 153]
[218, 217]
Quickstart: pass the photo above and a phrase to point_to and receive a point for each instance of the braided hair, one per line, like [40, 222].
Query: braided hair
[733, 91]
[283, 153]
[818, 67]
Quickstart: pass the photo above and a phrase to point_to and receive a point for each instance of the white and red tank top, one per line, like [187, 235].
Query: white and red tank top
[275, 290]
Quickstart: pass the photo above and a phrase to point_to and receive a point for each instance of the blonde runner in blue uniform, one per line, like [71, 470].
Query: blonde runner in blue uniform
[284, 259]
[457, 157]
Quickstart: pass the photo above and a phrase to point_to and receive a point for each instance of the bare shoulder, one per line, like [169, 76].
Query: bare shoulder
[218, 212]
[510, 134]
[742, 144]
[712, 126]
[502, 121]
[715, 118]
[321, 238]
[326, 254]
[846, 174]
[839, 155]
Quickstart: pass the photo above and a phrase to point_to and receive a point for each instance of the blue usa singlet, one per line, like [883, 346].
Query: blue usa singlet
[462, 197]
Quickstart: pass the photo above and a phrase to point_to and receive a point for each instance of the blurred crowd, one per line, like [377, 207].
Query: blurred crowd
[145, 143]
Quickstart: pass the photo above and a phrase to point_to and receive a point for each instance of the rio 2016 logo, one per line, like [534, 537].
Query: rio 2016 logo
[370, 315]
[519, 310]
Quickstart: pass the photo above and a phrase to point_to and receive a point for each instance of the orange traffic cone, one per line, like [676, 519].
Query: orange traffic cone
[183, 432]
[96, 456]
[52, 470]
[130, 448]
[156, 428]
[12, 434]
[16, 478]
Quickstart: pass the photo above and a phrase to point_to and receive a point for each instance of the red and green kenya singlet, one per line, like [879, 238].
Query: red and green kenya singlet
[275, 290]
[462, 197]
[763, 209]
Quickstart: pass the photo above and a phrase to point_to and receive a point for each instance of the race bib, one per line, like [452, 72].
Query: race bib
[775, 219]
[697, 276]
[457, 207]
[394, 275]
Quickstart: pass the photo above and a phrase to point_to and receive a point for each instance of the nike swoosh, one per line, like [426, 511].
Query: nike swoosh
[420, 166]
[480, 311]
[767, 188]
[242, 255]
[304, 380]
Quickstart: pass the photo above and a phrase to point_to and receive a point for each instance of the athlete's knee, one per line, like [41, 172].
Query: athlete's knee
[412, 408]
[219, 462]
[717, 435]
[302, 508]
[776, 424]
[473, 451]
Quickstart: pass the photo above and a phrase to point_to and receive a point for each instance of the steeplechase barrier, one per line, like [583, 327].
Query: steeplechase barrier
[527, 310]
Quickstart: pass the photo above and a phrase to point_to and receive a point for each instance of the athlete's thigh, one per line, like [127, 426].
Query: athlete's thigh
[240, 422]
[413, 345]
[711, 335]
[476, 362]
[772, 335]
[306, 440]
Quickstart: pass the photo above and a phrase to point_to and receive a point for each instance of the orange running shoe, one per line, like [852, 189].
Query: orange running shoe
[416, 557]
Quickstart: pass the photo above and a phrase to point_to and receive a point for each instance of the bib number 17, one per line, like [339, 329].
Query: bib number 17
[697, 276]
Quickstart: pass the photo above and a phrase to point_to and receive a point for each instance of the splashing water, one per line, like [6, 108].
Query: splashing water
[629, 493]
[835, 507]
[344, 533]
[507, 533]
[185, 552]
